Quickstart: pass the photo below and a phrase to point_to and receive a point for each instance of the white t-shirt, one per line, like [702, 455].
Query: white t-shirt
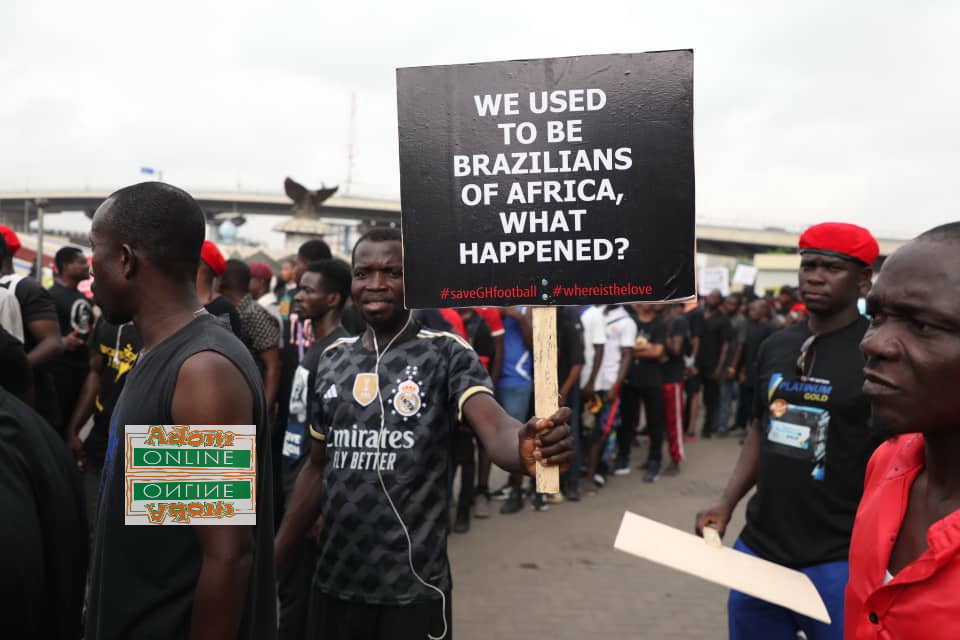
[621, 332]
[594, 333]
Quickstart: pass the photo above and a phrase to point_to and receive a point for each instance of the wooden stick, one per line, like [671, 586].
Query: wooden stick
[546, 392]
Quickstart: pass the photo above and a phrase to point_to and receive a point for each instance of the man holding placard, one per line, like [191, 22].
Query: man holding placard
[378, 471]
[807, 456]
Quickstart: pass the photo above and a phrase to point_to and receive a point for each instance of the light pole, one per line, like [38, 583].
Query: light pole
[40, 203]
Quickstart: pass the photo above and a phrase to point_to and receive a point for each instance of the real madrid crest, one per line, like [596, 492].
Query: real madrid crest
[406, 401]
[365, 388]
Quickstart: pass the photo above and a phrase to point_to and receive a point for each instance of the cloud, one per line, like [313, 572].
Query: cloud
[803, 111]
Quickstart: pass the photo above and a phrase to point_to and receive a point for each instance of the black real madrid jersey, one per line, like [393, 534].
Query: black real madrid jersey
[423, 379]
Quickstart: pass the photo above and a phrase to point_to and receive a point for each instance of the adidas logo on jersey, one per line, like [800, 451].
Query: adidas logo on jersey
[331, 392]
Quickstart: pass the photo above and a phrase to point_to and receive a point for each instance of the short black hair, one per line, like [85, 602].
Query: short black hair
[377, 234]
[949, 232]
[312, 250]
[4, 251]
[236, 277]
[163, 222]
[336, 277]
[64, 256]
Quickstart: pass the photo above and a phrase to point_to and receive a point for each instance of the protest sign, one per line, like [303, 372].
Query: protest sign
[551, 182]
[714, 279]
[745, 274]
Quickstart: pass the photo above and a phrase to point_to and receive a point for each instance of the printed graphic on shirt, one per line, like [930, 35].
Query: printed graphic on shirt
[799, 421]
[295, 435]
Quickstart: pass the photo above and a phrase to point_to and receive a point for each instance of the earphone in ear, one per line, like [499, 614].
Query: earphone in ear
[383, 485]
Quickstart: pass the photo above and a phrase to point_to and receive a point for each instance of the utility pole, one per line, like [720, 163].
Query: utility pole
[41, 203]
[353, 132]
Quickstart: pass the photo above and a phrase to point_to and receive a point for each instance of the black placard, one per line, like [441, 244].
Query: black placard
[551, 182]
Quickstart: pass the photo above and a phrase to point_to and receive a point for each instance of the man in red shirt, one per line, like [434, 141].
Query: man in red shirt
[905, 550]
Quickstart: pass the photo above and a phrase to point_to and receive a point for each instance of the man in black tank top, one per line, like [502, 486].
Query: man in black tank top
[175, 581]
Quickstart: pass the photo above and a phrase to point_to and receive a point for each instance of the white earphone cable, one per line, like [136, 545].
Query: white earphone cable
[383, 485]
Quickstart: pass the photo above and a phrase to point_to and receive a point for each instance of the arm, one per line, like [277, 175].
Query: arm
[84, 408]
[567, 385]
[513, 446]
[597, 360]
[735, 363]
[497, 363]
[49, 345]
[651, 351]
[523, 320]
[227, 551]
[305, 504]
[626, 355]
[718, 372]
[743, 479]
[271, 376]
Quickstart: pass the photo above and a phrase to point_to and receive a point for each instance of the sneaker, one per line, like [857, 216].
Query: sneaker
[689, 437]
[539, 502]
[572, 491]
[621, 468]
[652, 472]
[599, 480]
[481, 505]
[513, 504]
[672, 469]
[553, 498]
[462, 523]
[502, 493]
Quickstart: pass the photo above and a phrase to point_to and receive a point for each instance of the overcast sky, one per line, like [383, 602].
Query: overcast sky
[804, 111]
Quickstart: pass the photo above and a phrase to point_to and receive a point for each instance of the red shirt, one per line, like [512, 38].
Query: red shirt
[492, 317]
[922, 601]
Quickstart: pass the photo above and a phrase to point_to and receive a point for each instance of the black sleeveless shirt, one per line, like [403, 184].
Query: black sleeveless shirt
[143, 577]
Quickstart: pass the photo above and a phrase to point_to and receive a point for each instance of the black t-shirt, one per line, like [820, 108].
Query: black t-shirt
[144, 578]
[75, 315]
[569, 343]
[43, 529]
[645, 372]
[674, 368]
[14, 368]
[696, 321]
[296, 439]
[223, 310]
[480, 338]
[756, 333]
[36, 304]
[425, 377]
[815, 446]
[118, 347]
[716, 331]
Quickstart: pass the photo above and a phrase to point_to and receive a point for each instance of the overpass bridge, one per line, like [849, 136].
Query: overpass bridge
[17, 209]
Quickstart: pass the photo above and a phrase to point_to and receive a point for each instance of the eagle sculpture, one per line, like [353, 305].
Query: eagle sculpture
[305, 202]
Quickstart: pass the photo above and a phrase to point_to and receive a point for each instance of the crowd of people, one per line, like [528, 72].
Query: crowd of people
[370, 411]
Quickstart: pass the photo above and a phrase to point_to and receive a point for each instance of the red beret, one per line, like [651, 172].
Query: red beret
[841, 239]
[261, 270]
[11, 238]
[214, 259]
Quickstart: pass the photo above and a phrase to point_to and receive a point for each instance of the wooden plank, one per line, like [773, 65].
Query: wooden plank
[546, 392]
[711, 561]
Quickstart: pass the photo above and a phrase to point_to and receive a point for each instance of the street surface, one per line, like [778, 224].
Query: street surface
[557, 576]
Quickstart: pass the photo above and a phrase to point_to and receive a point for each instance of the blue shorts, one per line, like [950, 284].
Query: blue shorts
[753, 619]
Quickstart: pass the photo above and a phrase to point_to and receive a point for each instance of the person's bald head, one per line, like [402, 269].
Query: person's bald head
[142, 236]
